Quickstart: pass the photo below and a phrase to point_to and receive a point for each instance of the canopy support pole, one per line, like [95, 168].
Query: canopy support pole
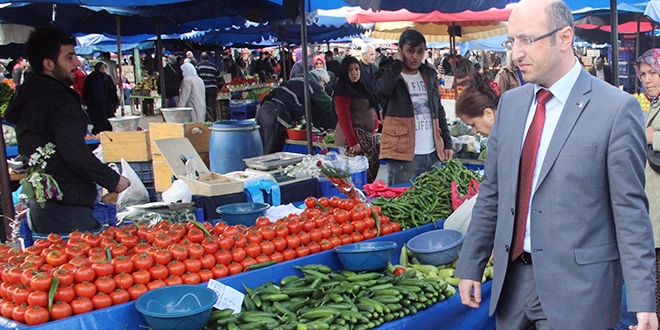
[614, 42]
[305, 65]
[119, 67]
[159, 63]
[637, 41]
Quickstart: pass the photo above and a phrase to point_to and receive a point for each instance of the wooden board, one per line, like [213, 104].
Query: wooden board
[132, 146]
[162, 173]
[198, 134]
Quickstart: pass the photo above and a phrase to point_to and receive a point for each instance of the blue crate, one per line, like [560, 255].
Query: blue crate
[241, 110]
[105, 213]
[328, 189]
[144, 170]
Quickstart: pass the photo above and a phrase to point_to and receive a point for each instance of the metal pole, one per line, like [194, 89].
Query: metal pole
[614, 20]
[119, 67]
[5, 192]
[636, 48]
[159, 62]
[305, 65]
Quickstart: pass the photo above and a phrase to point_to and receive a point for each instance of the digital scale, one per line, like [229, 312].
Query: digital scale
[273, 166]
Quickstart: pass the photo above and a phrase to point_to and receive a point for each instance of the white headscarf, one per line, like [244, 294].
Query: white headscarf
[188, 70]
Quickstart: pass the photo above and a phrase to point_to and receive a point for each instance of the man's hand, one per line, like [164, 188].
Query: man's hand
[122, 184]
[446, 154]
[645, 321]
[470, 293]
[397, 56]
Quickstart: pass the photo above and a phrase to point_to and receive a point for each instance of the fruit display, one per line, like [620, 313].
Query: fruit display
[430, 198]
[643, 101]
[54, 278]
[148, 84]
[325, 299]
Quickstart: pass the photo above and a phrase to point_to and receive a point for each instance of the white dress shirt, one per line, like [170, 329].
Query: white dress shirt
[553, 109]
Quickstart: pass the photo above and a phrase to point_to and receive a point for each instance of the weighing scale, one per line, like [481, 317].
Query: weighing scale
[273, 165]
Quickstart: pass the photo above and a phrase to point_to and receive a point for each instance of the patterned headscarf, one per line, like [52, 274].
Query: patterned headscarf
[652, 58]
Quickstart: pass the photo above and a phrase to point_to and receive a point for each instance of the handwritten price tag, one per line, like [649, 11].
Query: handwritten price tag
[228, 297]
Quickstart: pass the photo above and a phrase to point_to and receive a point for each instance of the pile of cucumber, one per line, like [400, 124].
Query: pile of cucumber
[323, 299]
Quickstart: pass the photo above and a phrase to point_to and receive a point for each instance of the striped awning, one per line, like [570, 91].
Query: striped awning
[435, 32]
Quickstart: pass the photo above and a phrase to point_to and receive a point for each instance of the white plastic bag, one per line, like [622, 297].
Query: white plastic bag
[460, 219]
[136, 193]
[179, 191]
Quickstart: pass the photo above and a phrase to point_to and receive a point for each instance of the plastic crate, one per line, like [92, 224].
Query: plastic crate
[105, 214]
[144, 170]
[242, 110]
[624, 68]
[328, 189]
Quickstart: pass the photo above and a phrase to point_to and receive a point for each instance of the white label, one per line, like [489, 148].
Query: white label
[228, 297]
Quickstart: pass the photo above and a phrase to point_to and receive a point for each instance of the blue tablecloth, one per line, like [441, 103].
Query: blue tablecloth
[449, 314]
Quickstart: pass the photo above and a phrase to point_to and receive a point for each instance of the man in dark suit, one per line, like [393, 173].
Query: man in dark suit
[601, 70]
[562, 206]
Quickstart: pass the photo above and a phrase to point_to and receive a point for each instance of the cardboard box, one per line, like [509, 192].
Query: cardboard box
[132, 146]
[169, 163]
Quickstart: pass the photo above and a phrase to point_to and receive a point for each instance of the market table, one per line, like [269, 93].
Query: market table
[448, 314]
[147, 104]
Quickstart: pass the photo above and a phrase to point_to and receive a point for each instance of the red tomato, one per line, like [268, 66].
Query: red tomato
[173, 280]
[238, 254]
[195, 251]
[336, 229]
[225, 242]
[320, 221]
[292, 241]
[179, 251]
[123, 280]
[191, 278]
[155, 284]
[73, 251]
[346, 228]
[288, 254]
[234, 268]
[65, 293]
[160, 272]
[136, 291]
[267, 247]
[219, 228]
[294, 226]
[385, 228]
[60, 310]
[252, 249]
[81, 305]
[384, 219]
[281, 230]
[41, 281]
[85, 289]
[304, 238]
[141, 276]
[341, 215]
[54, 238]
[162, 240]
[162, 256]
[280, 244]
[334, 201]
[308, 225]
[247, 262]
[369, 233]
[56, 258]
[325, 232]
[21, 294]
[302, 251]
[230, 231]
[346, 239]
[240, 240]
[223, 257]
[357, 237]
[101, 300]
[267, 232]
[195, 235]
[192, 265]
[314, 247]
[375, 208]
[119, 296]
[220, 271]
[262, 221]
[254, 236]
[84, 274]
[142, 261]
[208, 261]
[398, 271]
[359, 225]
[176, 267]
[310, 202]
[396, 227]
[312, 213]
[277, 256]
[103, 268]
[335, 240]
[36, 315]
[8, 308]
[210, 246]
[325, 201]
[18, 314]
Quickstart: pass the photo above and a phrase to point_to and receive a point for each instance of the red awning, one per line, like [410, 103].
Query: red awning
[490, 15]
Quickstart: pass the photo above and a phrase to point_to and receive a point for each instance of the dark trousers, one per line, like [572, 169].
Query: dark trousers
[273, 134]
[211, 104]
[401, 171]
[61, 219]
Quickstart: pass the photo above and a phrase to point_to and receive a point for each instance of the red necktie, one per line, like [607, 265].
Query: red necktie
[526, 174]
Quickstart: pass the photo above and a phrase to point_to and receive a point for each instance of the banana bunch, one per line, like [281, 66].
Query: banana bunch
[444, 272]
[643, 101]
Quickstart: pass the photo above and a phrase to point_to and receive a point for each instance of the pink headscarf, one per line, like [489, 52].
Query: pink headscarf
[652, 58]
[318, 57]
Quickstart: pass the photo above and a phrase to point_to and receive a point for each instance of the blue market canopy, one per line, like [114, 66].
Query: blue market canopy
[105, 2]
[87, 44]
[455, 6]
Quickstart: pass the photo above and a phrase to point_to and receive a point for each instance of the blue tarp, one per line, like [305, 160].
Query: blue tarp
[104, 2]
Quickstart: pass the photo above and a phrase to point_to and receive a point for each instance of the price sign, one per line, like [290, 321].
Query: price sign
[228, 297]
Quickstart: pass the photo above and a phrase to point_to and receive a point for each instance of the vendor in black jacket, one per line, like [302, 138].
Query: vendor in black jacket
[45, 109]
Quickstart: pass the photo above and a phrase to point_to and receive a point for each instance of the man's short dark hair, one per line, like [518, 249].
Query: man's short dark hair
[329, 53]
[411, 37]
[204, 56]
[45, 43]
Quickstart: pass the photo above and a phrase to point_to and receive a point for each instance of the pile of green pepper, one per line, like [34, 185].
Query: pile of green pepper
[323, 299]
[429, 199]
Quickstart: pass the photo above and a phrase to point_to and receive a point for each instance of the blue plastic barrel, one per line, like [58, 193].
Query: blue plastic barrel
[231, 142]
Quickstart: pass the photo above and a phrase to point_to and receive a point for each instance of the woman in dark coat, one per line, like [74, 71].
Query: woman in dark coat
[100, 96]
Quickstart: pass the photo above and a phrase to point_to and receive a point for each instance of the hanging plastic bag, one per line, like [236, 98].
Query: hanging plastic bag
[136, 193]
[457, 199]
[179, 191]
[461, 217]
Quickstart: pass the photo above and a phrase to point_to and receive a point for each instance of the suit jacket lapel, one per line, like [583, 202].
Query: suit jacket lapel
[576, 103]
[517, 133]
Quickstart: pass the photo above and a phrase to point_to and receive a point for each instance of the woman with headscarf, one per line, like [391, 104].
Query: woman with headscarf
[356, 112]
[648, 72]
[100, 96]
[192, 93]
[319, 63]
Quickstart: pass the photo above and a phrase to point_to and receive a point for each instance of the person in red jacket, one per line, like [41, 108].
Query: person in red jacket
[356, 113]
[80, 77]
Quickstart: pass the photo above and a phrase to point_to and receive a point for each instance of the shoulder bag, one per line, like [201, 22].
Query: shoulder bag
[652, 156]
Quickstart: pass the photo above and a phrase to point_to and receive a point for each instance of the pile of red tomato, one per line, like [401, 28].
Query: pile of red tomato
[121, 263]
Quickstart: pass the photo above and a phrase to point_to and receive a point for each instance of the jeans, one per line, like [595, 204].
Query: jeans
[273, 134]
[401, 171]
[627, 318]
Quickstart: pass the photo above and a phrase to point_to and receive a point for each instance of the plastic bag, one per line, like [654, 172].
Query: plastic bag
[348, 164]
[179, 191]
[136, 193]
[460, 219]
[457, 199]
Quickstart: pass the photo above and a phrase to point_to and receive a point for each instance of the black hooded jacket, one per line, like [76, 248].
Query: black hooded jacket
[45, 110]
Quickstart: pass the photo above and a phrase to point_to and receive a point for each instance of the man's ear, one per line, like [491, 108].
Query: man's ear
[48, 65]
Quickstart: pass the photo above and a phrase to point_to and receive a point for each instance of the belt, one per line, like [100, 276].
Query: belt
[526, 258]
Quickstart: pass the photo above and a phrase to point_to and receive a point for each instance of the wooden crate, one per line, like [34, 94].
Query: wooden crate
[198, 134]
[213, 184]
[162, 173]
[132, 146]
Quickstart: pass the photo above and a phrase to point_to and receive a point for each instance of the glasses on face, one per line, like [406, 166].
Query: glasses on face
[526, 42]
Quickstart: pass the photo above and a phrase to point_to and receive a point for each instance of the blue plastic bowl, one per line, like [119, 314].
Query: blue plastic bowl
[242, 213]
[178, 307]
[365, 256]
[436, 247]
